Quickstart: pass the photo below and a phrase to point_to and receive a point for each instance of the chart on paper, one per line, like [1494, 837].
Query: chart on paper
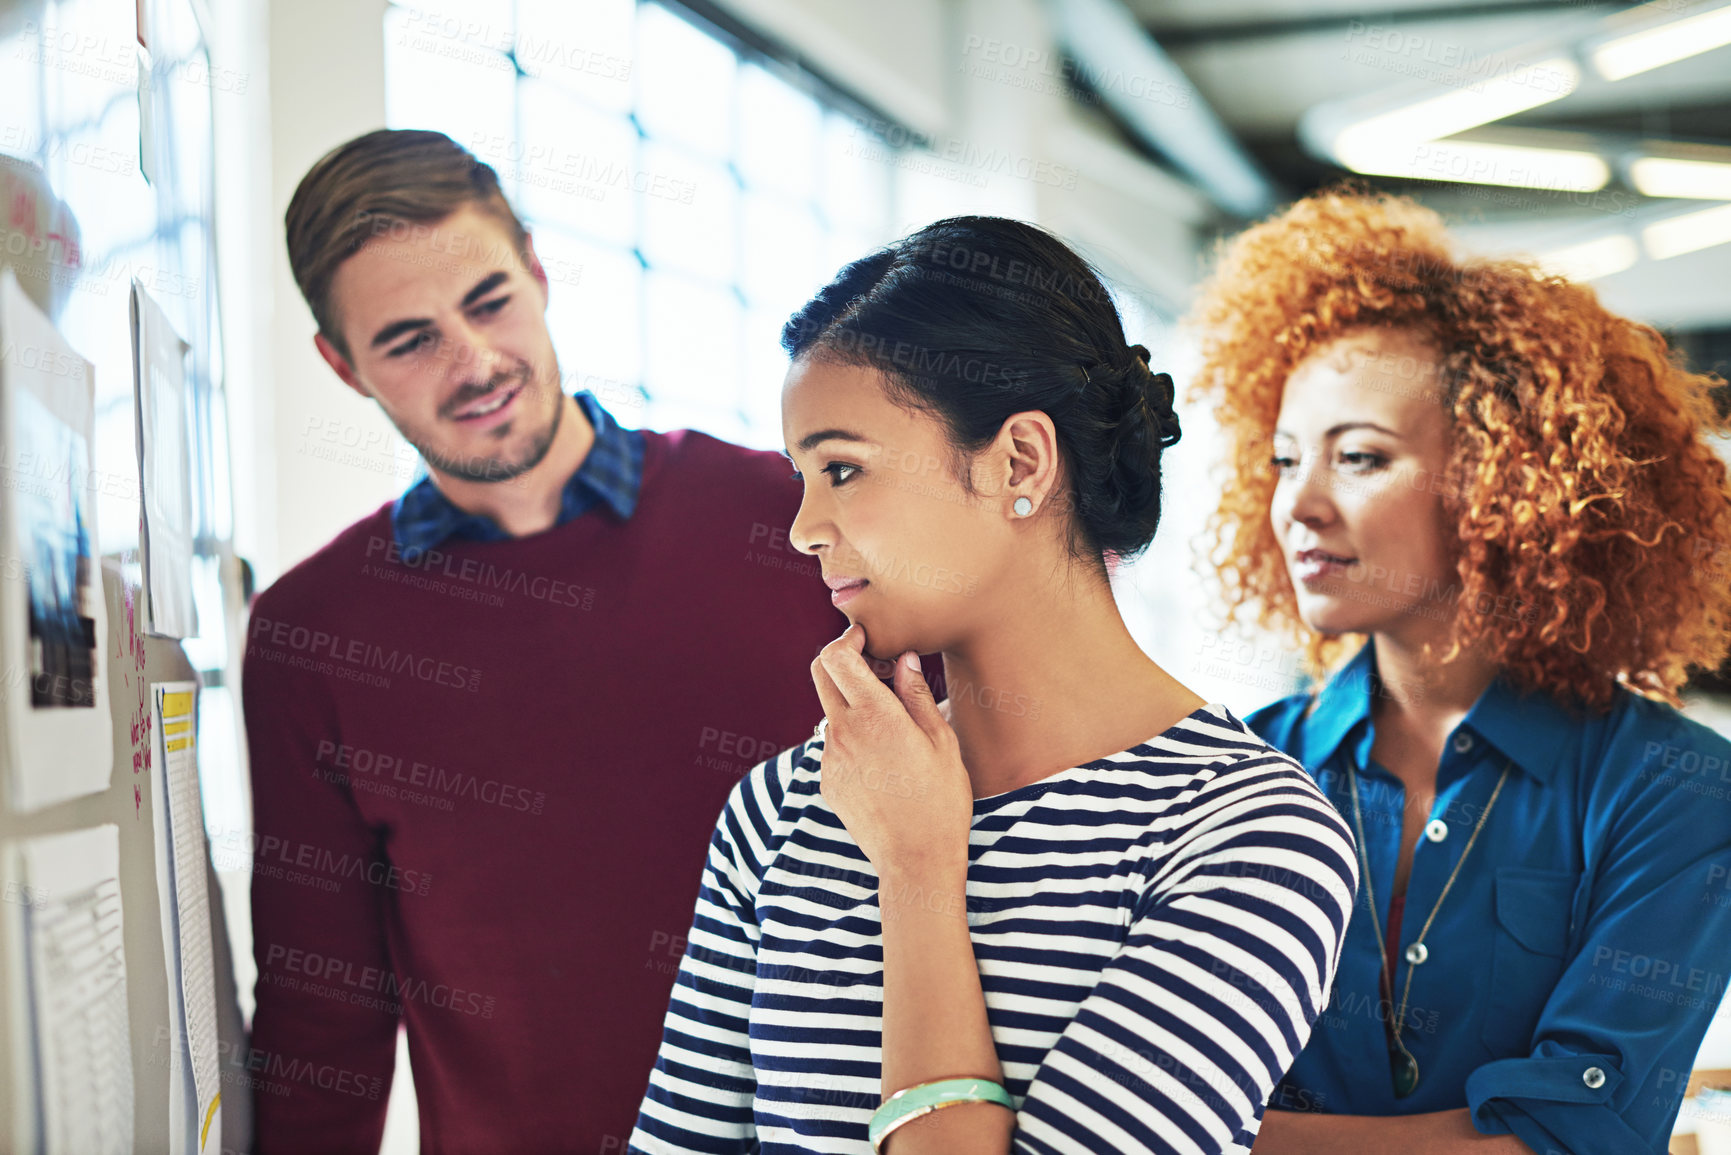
[77, 992]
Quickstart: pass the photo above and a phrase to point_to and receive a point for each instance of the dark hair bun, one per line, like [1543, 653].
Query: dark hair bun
[976, 318]
[1126, 500]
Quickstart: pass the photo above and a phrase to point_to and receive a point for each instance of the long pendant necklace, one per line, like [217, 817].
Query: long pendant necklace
[1404, 1067]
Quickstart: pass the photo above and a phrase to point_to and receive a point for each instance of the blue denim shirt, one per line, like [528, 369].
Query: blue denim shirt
[423, 516]
[1582, 950]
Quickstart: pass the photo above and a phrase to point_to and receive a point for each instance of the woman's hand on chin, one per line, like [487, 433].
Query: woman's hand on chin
[892, 769]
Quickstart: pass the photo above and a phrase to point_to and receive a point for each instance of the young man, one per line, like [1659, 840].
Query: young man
[492, 722]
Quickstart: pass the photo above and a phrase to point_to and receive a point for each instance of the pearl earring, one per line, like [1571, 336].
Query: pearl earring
[1024, 507]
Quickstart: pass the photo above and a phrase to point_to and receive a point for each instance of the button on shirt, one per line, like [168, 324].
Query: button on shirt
[423, 516]
[1563, 989]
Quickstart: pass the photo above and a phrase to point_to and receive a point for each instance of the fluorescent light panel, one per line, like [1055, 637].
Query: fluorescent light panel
[1405, 142]
[1468, 107]
[1688, 233]
[1592, 259]
[1637, 52]
[1472, 162]
[1658, 176]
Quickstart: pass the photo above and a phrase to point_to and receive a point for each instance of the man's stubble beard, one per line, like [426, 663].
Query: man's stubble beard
[490, 469]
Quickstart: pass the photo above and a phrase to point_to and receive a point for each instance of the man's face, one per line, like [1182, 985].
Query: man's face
[447, 331]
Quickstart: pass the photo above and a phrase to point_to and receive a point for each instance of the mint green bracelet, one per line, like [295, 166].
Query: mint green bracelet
[910, 1103]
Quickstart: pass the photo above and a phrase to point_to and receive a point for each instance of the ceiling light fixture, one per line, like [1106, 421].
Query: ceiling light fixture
[1660, 176]
[1688, 233]
[1407, 141]
[1590, 260]
[1636, 52]
[1516, 90]
[1476, 162]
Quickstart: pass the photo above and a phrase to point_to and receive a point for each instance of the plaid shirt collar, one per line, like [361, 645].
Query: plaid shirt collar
[423, 517]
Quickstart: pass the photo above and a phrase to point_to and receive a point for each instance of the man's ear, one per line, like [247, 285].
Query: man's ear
[339, 365]
[534, 264]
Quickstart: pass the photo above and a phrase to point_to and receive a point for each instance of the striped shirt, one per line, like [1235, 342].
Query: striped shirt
[1155, 931]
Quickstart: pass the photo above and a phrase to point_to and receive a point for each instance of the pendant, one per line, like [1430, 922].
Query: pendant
[1405, 1074]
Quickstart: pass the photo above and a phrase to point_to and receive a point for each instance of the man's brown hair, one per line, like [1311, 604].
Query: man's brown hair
[372, 186]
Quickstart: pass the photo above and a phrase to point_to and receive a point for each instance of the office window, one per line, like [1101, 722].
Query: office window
[686, 193]
[70, 102]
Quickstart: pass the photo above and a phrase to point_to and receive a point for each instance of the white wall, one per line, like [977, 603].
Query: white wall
[326, 85]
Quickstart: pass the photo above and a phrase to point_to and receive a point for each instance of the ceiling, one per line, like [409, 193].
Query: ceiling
[1262, 64]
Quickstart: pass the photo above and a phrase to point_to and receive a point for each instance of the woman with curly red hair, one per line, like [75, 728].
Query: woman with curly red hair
[1486, 510]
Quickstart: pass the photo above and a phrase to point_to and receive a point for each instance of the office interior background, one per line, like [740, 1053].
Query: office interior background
[693, 171]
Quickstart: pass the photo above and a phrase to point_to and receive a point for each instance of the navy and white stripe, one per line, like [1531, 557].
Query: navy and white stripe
[1156, 932]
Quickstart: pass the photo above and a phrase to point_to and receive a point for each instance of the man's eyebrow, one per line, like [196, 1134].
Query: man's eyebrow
[397, 328]
[487, 285]
[811, 440]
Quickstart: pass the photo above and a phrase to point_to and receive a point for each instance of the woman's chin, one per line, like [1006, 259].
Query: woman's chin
[885, 643]
[1331, 622]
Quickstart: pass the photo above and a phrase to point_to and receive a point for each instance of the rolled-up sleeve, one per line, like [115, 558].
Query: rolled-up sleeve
[1616, 1040]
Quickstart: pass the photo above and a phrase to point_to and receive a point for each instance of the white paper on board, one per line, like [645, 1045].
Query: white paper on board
[160, 388]
[195, 1099]
[147, 127]
[74, 1035]
[56, 739]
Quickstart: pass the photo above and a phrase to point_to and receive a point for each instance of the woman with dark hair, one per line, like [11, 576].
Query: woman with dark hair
[1487, 509]
[1074, 906]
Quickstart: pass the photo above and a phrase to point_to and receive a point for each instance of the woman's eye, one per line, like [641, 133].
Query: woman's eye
[493, 306]
[1363, 460]
[1282, 464]
[830, 469]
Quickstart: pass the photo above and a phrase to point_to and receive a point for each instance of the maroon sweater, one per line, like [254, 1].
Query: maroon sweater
[484, 787]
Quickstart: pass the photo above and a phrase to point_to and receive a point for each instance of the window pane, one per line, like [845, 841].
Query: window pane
[694, 351]
[628, 137]
[765, 367]
[846, 246]
[463, 90]
[855, 187]
[97, 175]
[594, 313]
[690, 213]
[453, 25]
[575, 165]
[933, 189]
[781, 253]
[684, 83]
[778, 134]
[583, 47]
[20, 96]
[87, 62]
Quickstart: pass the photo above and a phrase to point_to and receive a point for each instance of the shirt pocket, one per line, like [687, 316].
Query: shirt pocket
[1529, 948]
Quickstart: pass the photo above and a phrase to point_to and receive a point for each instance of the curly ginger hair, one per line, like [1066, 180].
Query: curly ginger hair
[1580, 481]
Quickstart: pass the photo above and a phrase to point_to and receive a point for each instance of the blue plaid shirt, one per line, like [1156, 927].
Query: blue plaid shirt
[423, 517]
